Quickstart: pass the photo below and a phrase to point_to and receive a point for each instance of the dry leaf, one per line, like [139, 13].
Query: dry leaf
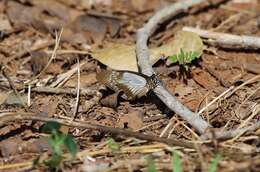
[10, 98]
[4, 96]
[133, 120]
[123, 57]
[5, 25]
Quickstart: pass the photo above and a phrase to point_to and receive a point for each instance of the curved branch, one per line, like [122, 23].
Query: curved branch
[142, 53]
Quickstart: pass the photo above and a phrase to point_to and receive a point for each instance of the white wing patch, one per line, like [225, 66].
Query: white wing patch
[134, 83]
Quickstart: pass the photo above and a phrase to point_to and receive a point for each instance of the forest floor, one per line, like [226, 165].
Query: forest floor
[40, 77]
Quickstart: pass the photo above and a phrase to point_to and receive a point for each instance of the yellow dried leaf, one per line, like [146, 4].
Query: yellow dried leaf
[123, 57]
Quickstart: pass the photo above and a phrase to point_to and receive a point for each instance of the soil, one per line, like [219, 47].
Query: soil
[28, 29]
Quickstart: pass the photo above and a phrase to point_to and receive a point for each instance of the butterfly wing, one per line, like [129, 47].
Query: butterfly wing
[133, 85]
[109, 78]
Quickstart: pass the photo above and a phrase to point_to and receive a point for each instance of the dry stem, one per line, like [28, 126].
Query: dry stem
[12, 116]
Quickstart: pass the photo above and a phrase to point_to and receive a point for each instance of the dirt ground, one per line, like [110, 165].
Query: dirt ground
[27, 41]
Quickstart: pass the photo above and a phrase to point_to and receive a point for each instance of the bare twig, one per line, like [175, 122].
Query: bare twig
[50, 90]
[142, 52]
[23, 53]
[12, 116]
[14, 88]
[227, 40]
[216, 99]
[231, 133]
[242, 85]
[53, 56]
[92, 102]
[78, 92]
[64, 77]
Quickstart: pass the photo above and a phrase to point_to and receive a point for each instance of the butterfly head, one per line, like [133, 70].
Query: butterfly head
[153, 81]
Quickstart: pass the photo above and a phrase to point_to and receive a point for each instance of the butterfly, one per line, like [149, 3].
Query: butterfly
[132, 84]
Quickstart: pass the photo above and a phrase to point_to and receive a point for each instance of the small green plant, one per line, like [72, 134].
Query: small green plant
[184, 58]
[113, 145]
[58, 141]
[176, 162]
[150, 165]
[214, 164]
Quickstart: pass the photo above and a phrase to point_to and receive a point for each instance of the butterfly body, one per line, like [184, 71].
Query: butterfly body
[133, 84]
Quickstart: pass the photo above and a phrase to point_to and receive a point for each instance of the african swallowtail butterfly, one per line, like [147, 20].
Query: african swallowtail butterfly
[132, 84]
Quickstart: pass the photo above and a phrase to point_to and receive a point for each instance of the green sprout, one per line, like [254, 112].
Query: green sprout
[150, 164]
[184, 58]
[58, 141]
[214, 164]
[176, 162]
[113, 145]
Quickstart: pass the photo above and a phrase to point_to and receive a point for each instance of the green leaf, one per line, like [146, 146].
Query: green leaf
[54, 161]
[174, 58]
[71, 145]
[112, 145]
[176, 162]
[51, 126]
[214, 164]
[150, 165]
[56, 144]
[57, 140]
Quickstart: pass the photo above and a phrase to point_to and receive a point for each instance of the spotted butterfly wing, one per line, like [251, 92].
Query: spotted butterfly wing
[133, 85]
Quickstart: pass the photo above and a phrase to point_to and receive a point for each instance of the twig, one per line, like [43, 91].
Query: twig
[142, 53]
[17, 94]
[227, 40]
[214, 100]
[78, 92]
[53, 56]
[50, 90]
[229, 22]
[167, 126]
[242, 85]
[248, 97]
[90, 103]
[64, 77]
[60, 52]
[255, 112]
[12, 116]
[29, 95]
[23, 53]
[231, 133]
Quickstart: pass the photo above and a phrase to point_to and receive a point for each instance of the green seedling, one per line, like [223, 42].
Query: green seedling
[150, 165]
[184, 58]
[176, 162]
[113, 145]
[58, 141]
[214, 164]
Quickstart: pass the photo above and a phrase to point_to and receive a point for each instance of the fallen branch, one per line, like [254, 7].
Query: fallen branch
[224, 135]
[227, 40]
[142, 53]
[13, 116]
[69, 91]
